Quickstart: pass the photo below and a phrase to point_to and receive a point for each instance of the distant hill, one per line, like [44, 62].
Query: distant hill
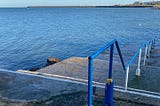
[154, 4]
[137, 4]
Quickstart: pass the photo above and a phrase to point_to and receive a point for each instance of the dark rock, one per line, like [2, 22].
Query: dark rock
[52, 60]
[34, 69]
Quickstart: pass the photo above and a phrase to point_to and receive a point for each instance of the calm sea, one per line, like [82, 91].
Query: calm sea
[28, 36]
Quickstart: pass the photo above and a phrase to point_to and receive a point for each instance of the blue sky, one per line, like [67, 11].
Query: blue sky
[24, 3]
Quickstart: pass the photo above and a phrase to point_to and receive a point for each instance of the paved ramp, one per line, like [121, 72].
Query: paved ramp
[17, 89]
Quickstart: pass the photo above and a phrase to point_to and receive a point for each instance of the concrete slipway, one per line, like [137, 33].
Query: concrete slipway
[65, 84]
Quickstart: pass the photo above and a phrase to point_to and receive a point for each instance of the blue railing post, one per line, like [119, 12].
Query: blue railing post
[109, 83]
[90, 62]
[120, 55]
[109, 92]
[111, 61]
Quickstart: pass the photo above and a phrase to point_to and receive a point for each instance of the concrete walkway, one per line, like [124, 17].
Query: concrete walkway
[77, 67]
[18, 89]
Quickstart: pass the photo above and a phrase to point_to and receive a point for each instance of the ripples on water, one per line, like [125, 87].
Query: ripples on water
[29, 35]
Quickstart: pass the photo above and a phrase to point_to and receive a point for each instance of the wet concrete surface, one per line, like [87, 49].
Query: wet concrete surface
[26, 88]
[18, 89]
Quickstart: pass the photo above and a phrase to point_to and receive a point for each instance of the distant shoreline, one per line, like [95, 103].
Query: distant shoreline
[89, 6]
[115, 6]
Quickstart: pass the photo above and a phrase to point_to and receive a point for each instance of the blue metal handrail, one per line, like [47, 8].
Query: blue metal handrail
[137, 52]
[109, 80]
[148, 48]
[109, 83]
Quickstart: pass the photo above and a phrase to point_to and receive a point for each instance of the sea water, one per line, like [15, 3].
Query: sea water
[28, 36]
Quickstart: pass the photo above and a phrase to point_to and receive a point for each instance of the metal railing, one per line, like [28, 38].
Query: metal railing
[148, 46]
[109, 83]
[90, 69]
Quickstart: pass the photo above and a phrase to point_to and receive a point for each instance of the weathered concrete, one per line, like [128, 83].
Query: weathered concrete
[29, 90]
[34, 90]
[77, 67]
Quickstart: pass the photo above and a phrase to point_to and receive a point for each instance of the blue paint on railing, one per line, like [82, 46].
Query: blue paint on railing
[132, 58]
[137, 52]
[109, 84]
[93, 56]
[111, 62]
[109, 93]
[120, 54]
[90, 63]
